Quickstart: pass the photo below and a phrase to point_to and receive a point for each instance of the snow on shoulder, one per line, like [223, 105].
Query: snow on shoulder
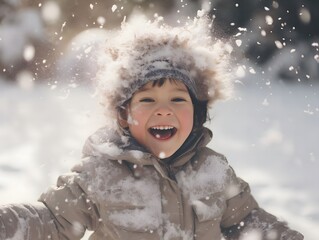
[140, 47]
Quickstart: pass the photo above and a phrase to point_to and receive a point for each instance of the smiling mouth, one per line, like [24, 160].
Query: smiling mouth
[162, 132]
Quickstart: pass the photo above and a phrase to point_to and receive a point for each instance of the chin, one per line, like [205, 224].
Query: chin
[163, 155]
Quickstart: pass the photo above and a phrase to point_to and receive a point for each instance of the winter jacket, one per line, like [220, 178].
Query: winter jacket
[119, 191]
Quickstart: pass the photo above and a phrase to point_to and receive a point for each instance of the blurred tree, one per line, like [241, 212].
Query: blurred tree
[273, 28]
[65, 19]
[229, 15]
[56, 23]
[24, 45]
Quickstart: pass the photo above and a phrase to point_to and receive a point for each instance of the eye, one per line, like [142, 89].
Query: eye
[147, 100]
[178, 99]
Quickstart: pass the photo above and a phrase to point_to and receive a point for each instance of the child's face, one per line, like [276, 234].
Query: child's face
[161, 117]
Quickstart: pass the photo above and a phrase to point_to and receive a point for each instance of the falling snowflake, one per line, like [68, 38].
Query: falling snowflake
[114, 7]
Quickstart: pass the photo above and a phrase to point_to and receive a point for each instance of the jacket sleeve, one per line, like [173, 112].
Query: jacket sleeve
[64, 212]
[243, 217]
[73, 211]
[260, 224]
[23, 221]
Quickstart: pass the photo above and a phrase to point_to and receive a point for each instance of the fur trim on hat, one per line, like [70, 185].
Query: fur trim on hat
[143, 46]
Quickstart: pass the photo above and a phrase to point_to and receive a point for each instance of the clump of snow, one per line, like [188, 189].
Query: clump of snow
[137, 201]
[50, 12]
[25, 80]
[278, 44]
[269, 20]
[305, 15]
[173, 231]
[253, 234]
[29, 53]
[241, 71]
[107, 148]
[21, 229]
[136, 154]
[101, 20]
[114, 7]
[162, 155]
[210, 211]
[272, 137]
[209, 179]
[136, 219]
[131, 120]
[238, 42]
[77, 228]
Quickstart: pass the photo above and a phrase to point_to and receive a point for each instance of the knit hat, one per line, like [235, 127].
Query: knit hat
[144, 51]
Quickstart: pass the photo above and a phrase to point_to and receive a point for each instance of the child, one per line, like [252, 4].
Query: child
[150, 175]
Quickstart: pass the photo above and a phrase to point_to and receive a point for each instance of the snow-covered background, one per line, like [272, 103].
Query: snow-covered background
[270, 135]
[269, 131]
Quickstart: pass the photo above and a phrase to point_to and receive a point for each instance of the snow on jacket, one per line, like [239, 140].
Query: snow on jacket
[119, 191]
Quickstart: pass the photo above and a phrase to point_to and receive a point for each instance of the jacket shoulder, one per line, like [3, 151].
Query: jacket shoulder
[215, 164]
[93, 172]
[208, 173]
[206, 155]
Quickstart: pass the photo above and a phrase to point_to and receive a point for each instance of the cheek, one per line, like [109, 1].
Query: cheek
[136, 126]
[187, 118]
[134, 115]
[137, 117]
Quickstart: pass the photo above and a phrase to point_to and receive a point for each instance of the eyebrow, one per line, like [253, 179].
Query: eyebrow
[178, 89]
[181, 90]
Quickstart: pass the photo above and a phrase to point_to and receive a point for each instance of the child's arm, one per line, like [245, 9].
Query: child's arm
[73, 211]
[22, 221]
[243, 217]
[65, 213]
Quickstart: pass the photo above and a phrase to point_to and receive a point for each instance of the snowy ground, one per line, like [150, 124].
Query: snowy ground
[269, 133]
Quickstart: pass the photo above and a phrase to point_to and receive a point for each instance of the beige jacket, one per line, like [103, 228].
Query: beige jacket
[126, 193]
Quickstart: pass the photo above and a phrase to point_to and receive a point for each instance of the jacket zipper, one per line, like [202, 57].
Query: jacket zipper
[180, 198]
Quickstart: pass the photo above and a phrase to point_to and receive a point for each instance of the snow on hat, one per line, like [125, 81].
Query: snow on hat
[144, 51]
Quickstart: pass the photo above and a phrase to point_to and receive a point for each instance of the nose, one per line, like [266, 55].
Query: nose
[163, 111]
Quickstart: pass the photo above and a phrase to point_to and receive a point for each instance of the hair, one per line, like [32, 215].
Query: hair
[200, 107]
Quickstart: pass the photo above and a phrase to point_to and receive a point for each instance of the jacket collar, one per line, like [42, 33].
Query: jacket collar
[108, 143]
[114, 146]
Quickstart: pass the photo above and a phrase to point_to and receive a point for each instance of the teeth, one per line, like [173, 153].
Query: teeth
[162, 127]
